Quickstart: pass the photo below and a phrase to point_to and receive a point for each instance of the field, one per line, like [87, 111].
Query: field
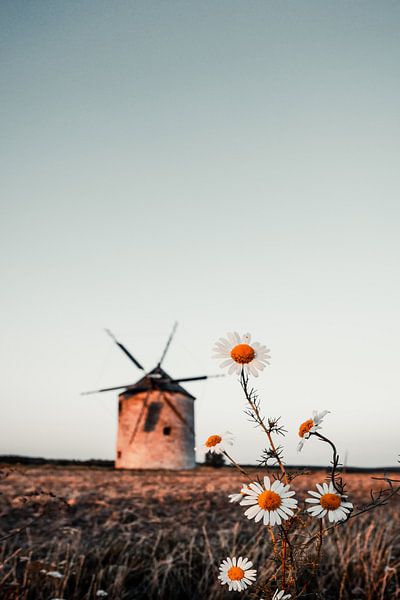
[68, 532]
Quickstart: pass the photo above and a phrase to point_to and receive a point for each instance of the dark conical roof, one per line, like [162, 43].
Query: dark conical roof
[157, 379]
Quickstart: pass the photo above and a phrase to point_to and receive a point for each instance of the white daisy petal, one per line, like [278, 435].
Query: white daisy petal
[252, 370]
[288, 511]
[290, 501]
[256, 487]
[251, 512]
[315, 494]
[226, 363]
[288, 494]
[280, 595]
[315, 510]
[251, 573]
[248, 501]
[259, 516]
[276, 486]
[252, 494]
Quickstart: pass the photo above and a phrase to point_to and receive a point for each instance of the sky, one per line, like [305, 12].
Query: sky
[231, 165]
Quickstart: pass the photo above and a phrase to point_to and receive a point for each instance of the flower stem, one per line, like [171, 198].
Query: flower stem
[235, 464]
[335, 462]
[319, 543]
[273, 540]
[260, 421]
[283, 563]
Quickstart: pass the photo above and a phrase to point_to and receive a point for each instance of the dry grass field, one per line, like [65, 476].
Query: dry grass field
[161, 535]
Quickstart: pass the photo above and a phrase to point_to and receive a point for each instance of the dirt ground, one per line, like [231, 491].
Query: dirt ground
[152, 534]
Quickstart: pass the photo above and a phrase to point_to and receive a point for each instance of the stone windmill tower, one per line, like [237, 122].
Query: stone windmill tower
[155, 419]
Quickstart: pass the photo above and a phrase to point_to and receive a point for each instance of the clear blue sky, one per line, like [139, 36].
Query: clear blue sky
[232, 165]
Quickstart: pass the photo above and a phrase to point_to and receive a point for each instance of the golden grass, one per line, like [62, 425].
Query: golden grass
[162, 535]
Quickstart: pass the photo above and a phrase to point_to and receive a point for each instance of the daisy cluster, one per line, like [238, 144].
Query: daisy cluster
[269, 503]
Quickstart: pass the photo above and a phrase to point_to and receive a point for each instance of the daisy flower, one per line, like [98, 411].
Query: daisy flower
[239, 352]
[280, 595]
[310, 426]
[238, 574]
[272, 503]
[327, 501]
[238, 497]
[217, 442]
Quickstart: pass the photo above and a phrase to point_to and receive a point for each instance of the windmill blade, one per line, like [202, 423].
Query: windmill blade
[168, 343]
[200, 377]
[124, 350]
[178, 413]
[118, 387]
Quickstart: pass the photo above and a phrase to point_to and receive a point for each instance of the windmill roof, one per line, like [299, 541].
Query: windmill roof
[157, 379]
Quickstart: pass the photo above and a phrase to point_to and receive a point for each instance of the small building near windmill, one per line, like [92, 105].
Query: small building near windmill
[155, 424]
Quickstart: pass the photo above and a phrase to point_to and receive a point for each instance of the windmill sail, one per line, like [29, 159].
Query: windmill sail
[198, 378]
[168, 343]
[110, 389]
[124, 350]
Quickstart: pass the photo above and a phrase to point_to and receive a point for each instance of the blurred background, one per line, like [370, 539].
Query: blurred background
[231, 165]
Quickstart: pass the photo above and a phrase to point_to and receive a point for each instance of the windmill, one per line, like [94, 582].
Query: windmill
[155, 418]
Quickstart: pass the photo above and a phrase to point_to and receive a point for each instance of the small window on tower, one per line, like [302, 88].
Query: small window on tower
[119, 454]
[167, 431]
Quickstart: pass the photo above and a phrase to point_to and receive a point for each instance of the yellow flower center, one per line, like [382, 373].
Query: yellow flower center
[242, 353]
[213, 440]
[235, 573]
[269, 500]
[305, 427]
[330, 501]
